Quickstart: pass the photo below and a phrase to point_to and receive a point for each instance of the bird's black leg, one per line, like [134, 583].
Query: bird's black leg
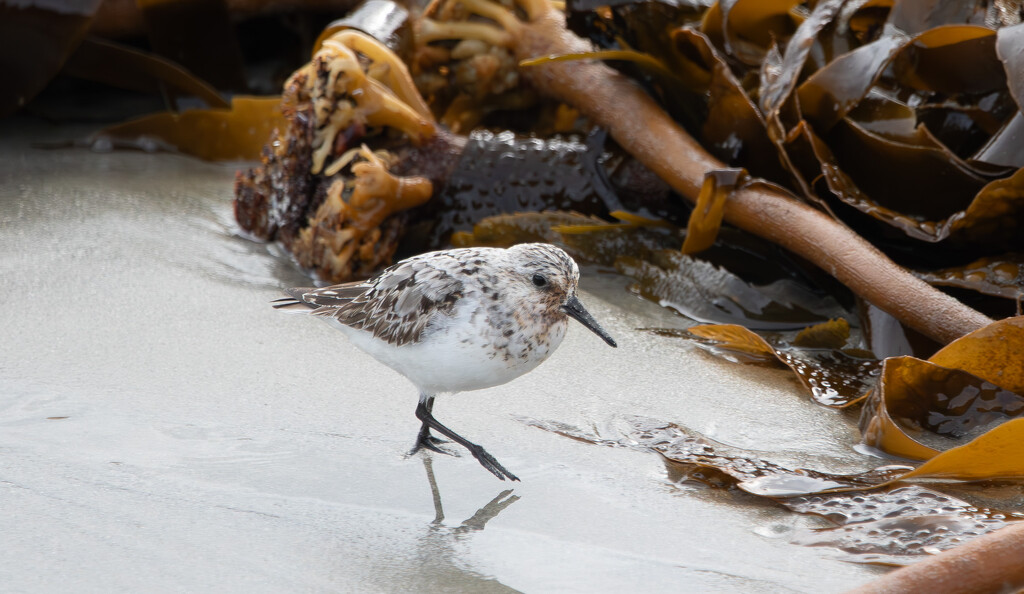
[485, 459]
[425, 439]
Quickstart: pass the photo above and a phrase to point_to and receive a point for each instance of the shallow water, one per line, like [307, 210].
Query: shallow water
[163, 429]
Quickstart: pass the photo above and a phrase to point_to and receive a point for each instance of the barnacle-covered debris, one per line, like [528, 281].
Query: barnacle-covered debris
[356, 91]
[334, 214]
[271, 200]
[354, 231]
[474, 71]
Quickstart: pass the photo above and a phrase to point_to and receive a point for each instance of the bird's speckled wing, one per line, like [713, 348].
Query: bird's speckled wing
[396, 305]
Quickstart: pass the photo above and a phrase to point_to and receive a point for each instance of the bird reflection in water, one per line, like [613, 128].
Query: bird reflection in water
[444, 558]
[478, 520]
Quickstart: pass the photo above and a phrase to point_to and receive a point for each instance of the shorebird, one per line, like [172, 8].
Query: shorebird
[457, 320]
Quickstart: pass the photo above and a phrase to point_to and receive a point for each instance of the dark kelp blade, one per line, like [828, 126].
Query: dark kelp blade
[36, 43]
[1001, 276]
[835, 89]
[733, 129]
[706, 292]
[129, 68]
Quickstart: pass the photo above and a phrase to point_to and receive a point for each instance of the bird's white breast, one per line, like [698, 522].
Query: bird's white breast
[463, 352]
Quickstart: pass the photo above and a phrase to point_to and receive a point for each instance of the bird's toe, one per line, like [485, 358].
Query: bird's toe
[433, 444]
[491, 464]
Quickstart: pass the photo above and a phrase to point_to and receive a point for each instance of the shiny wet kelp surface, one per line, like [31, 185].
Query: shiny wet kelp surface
[163, 427]
[876, 519]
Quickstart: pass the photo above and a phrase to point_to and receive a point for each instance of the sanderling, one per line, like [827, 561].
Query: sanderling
[457, 320]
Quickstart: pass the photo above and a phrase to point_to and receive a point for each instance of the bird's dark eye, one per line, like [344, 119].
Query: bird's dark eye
[539, 280]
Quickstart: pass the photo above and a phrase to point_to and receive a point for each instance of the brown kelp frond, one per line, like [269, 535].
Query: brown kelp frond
[651, 135]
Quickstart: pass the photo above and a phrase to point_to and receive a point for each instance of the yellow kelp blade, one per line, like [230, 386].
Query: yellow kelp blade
[706, 218]
[736, 338]
[994, 353]
[996, 454]
[834, 376]
[238, 133]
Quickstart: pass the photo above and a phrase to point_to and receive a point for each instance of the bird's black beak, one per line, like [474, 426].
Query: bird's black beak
[575, 309]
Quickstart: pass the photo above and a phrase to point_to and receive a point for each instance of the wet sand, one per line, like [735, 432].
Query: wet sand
[163, 429]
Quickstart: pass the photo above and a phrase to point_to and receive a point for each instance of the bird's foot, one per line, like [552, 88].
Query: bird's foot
[428, 441]
[487, 461]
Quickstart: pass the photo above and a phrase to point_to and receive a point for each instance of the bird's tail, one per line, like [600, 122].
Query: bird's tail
[294, 302]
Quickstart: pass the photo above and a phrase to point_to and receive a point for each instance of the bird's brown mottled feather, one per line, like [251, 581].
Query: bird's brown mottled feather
[396, 306]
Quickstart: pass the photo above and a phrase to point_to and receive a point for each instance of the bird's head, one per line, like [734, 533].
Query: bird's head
[551, 277]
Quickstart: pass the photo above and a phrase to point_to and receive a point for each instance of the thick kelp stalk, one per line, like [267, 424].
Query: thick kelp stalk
[640, 126]
[990, 563]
